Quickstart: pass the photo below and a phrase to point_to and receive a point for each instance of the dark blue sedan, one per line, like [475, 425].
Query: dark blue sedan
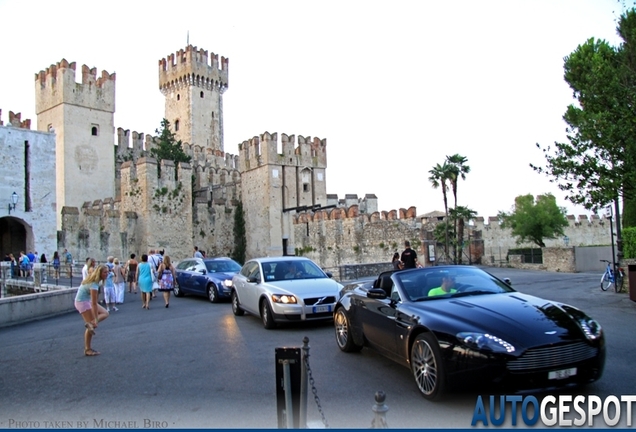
[209, 277]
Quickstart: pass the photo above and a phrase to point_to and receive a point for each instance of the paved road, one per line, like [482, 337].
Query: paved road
[195, 365]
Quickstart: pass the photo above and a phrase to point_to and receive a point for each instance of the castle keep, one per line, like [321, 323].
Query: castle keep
[105, 198]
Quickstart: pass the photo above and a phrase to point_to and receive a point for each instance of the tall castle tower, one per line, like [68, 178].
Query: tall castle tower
[81, 115]
[279, 180]
[193, 84]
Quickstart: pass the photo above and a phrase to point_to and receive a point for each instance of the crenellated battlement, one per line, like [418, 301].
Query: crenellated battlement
[266, 149]
[193, 67]
[56, 85]
[15, 120]
[574, 222]
[354, 212]
[132, 145]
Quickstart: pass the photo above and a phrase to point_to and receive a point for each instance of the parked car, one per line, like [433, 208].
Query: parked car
[210, 277]
[458, 325]
[284, 289]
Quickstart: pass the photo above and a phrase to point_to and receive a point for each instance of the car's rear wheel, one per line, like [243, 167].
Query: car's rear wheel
[177, 290]
[344, 339]
[266, 315]
[427, 366]
[213, 293]
[236, 306]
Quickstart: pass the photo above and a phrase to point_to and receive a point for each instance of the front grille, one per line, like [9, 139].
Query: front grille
[313, 301]
[552, 357]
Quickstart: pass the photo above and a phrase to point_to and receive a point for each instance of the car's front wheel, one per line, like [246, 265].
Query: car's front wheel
[177, 290]
[344, 339]
[427, 366]
[266, 315]
[213, 293]
[236, 306]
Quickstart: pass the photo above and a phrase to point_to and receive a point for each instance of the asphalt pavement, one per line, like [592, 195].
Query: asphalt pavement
[196, 365]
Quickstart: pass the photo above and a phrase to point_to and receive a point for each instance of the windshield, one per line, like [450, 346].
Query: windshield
[290, 270]
[222, 266]
[448, 282]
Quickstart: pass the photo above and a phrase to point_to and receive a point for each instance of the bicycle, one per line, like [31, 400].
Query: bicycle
[608, 279]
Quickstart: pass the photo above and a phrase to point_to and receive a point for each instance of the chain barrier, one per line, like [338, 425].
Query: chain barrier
[314, 390]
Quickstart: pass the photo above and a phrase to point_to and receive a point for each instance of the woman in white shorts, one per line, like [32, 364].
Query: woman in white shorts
[86, 304]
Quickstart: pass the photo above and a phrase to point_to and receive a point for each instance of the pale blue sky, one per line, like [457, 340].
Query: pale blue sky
[393, 86]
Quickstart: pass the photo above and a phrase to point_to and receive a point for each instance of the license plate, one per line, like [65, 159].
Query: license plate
[325, 308]
[562, 374]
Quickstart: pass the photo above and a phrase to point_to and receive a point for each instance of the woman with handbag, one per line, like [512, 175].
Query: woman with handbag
[166, 275]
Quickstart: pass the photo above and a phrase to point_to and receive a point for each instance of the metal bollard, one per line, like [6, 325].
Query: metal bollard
[380, 409]
[303, 384]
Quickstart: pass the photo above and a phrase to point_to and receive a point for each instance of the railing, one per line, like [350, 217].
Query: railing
[39, 277]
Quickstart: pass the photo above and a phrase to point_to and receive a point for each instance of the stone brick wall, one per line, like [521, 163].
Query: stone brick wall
[35, 184]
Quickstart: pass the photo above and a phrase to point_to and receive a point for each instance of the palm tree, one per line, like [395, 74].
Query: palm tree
[461, 215]
[439, 177]
[457, 169]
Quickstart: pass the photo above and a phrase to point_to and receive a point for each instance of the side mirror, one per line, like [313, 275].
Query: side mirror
[253, 279]
[329, 275]
[203, 271]
[507, 280]
[376, 293]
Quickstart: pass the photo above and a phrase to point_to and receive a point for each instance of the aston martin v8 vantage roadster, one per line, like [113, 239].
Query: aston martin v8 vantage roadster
[459, 325]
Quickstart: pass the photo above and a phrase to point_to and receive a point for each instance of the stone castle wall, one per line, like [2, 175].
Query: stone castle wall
[581, 231]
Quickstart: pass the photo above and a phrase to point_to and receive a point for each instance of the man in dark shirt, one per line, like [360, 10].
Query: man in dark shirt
[409, 257]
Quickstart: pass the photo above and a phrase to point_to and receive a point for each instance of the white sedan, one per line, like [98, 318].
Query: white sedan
[284, 289]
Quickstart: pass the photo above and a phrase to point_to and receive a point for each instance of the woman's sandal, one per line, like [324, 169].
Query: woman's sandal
[91, 352]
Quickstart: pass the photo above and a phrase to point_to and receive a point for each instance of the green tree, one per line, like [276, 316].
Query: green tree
[238, 254]
[167, 146]
[535, 221]
[598, 162]
[439, 177]
[457, 169]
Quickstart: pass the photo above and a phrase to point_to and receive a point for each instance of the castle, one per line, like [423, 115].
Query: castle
[81, 191]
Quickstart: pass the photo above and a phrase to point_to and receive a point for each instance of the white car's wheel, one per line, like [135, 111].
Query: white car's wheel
[266, 315]
[236, 306]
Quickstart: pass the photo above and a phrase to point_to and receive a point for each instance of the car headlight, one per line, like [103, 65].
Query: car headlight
[284, 298]
[591, 328]
[485, 341]
[227, 282]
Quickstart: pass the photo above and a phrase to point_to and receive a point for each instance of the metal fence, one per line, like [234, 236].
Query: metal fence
[38, 277]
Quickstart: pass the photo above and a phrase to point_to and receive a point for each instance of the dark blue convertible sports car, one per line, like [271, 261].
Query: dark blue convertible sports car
[210, 277]
[460, 325]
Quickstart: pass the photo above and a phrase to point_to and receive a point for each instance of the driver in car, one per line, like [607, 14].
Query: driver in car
[292, 271]
[448, 286]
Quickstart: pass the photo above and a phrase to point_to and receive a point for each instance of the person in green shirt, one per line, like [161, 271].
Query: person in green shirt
[448, 286]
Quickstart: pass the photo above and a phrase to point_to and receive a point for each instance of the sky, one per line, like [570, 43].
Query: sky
[394, 86]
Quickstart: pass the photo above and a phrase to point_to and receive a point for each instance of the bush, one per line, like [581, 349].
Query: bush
[629, 242]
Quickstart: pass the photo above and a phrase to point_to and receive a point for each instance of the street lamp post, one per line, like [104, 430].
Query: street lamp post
[608, 213]
[14, 201]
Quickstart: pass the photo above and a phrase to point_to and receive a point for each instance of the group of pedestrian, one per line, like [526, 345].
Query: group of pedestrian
[407, 260]
[23, 265]
[154, 273]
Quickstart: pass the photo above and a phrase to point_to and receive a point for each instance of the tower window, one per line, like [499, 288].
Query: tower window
[176, 125]
[94, 130]
[178, 97]
[305, 187]
[201, 95]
